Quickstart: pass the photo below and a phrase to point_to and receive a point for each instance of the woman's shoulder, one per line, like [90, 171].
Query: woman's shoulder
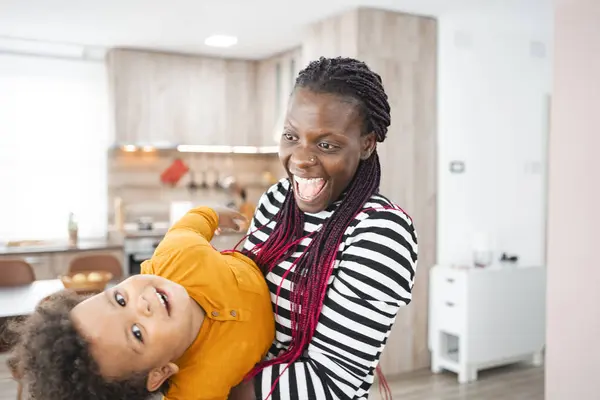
[380, 214]
[380, 207]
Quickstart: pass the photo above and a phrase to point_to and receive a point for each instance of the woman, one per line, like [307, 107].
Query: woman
[339, 258]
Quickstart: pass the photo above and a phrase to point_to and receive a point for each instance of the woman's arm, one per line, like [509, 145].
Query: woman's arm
[374, 279]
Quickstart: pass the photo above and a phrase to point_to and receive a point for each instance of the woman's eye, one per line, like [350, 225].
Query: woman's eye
[326, 146]
[120, 299]
[137, 333]
[288, 136]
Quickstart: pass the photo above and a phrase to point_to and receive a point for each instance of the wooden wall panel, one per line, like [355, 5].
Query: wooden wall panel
[332, 37]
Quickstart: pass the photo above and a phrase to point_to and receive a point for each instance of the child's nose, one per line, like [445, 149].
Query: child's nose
[143, 306]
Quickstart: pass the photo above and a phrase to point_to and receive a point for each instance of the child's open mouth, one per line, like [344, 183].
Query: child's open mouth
[163, 299]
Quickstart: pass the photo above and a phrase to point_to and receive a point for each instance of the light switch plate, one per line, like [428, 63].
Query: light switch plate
[457, 167]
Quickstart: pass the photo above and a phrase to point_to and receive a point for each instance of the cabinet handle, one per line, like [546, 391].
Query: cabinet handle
[449, 304]
[450, 280]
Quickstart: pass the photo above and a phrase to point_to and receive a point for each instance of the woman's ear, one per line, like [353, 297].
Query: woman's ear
[368, 145]
[158, 376]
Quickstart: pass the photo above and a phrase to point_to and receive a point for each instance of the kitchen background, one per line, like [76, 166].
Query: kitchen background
[125, 115]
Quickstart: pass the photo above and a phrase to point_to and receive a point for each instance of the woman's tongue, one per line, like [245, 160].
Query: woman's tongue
[308, 189]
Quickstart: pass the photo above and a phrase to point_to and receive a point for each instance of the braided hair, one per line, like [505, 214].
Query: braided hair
[353, 81]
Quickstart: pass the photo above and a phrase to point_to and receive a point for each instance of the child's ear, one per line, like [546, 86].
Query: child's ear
[159, 375]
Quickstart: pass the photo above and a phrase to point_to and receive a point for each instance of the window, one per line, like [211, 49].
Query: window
[54, 136]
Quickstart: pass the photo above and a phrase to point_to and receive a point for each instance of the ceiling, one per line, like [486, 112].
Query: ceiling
[264, 27]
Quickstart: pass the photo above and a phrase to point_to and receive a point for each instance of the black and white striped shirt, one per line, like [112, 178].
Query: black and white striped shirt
[373, 276]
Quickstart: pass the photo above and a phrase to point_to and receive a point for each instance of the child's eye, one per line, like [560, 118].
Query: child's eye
[137, 333]
[120, 299]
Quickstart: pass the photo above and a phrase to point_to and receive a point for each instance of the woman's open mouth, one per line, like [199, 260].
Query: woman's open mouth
[309, 189]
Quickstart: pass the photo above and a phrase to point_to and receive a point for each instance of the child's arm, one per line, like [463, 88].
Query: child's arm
[194, 230]
[201, 220]
[205, 221]
[187, 243]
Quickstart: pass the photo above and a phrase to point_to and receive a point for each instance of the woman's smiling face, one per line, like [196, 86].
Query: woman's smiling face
[322, 145]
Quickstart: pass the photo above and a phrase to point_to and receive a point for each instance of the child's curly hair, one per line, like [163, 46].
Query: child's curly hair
[55, 362]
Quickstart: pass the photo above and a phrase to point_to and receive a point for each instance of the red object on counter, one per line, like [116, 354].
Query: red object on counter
[174, 172]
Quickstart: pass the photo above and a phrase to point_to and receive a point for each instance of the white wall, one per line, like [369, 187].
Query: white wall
[492, 116]
[54, 135]
[573, 313]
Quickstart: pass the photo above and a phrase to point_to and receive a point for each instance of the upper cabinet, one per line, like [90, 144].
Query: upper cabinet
[240, 104]
[177, 99]
[171, 99]
[275, 77]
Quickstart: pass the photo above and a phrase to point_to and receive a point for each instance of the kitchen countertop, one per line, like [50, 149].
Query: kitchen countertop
[151, 234]
[115, 242]
[157, 234]
[63, 247]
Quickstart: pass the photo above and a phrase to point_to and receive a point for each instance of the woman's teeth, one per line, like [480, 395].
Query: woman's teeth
[309, 188]
[307, 180]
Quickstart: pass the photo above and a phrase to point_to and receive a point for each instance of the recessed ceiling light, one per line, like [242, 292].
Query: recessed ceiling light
[220, 41]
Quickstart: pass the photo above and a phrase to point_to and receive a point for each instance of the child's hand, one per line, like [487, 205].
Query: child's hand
[231, 220]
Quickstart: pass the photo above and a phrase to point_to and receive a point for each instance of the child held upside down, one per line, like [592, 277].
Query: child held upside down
[192, 325]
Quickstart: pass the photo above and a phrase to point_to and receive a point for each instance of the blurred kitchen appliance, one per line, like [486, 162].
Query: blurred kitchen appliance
[137, 250]
[145, 223]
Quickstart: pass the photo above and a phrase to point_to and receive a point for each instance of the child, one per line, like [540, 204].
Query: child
[192, 326]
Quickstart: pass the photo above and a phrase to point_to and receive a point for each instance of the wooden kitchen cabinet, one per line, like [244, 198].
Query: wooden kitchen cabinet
[171, 99]
[164, 98]
[202, 109]
[275, 77]
[240, 104]
[266, 114]
[135, 89]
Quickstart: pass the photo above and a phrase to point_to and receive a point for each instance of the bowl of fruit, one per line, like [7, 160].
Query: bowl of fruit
[86, 281]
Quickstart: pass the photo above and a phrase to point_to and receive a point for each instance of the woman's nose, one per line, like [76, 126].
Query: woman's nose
[303, 159]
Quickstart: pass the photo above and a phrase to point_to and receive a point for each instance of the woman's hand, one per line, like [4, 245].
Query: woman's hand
[231, 220]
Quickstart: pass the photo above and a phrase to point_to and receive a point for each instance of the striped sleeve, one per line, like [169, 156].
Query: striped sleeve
[374, 278]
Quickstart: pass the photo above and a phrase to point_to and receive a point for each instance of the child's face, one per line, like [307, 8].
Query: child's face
[143, 324]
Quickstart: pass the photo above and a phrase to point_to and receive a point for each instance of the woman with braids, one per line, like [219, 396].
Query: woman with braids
[339, 258]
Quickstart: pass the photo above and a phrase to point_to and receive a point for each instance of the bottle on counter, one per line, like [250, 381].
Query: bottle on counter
[73, 230]
[119, 215]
